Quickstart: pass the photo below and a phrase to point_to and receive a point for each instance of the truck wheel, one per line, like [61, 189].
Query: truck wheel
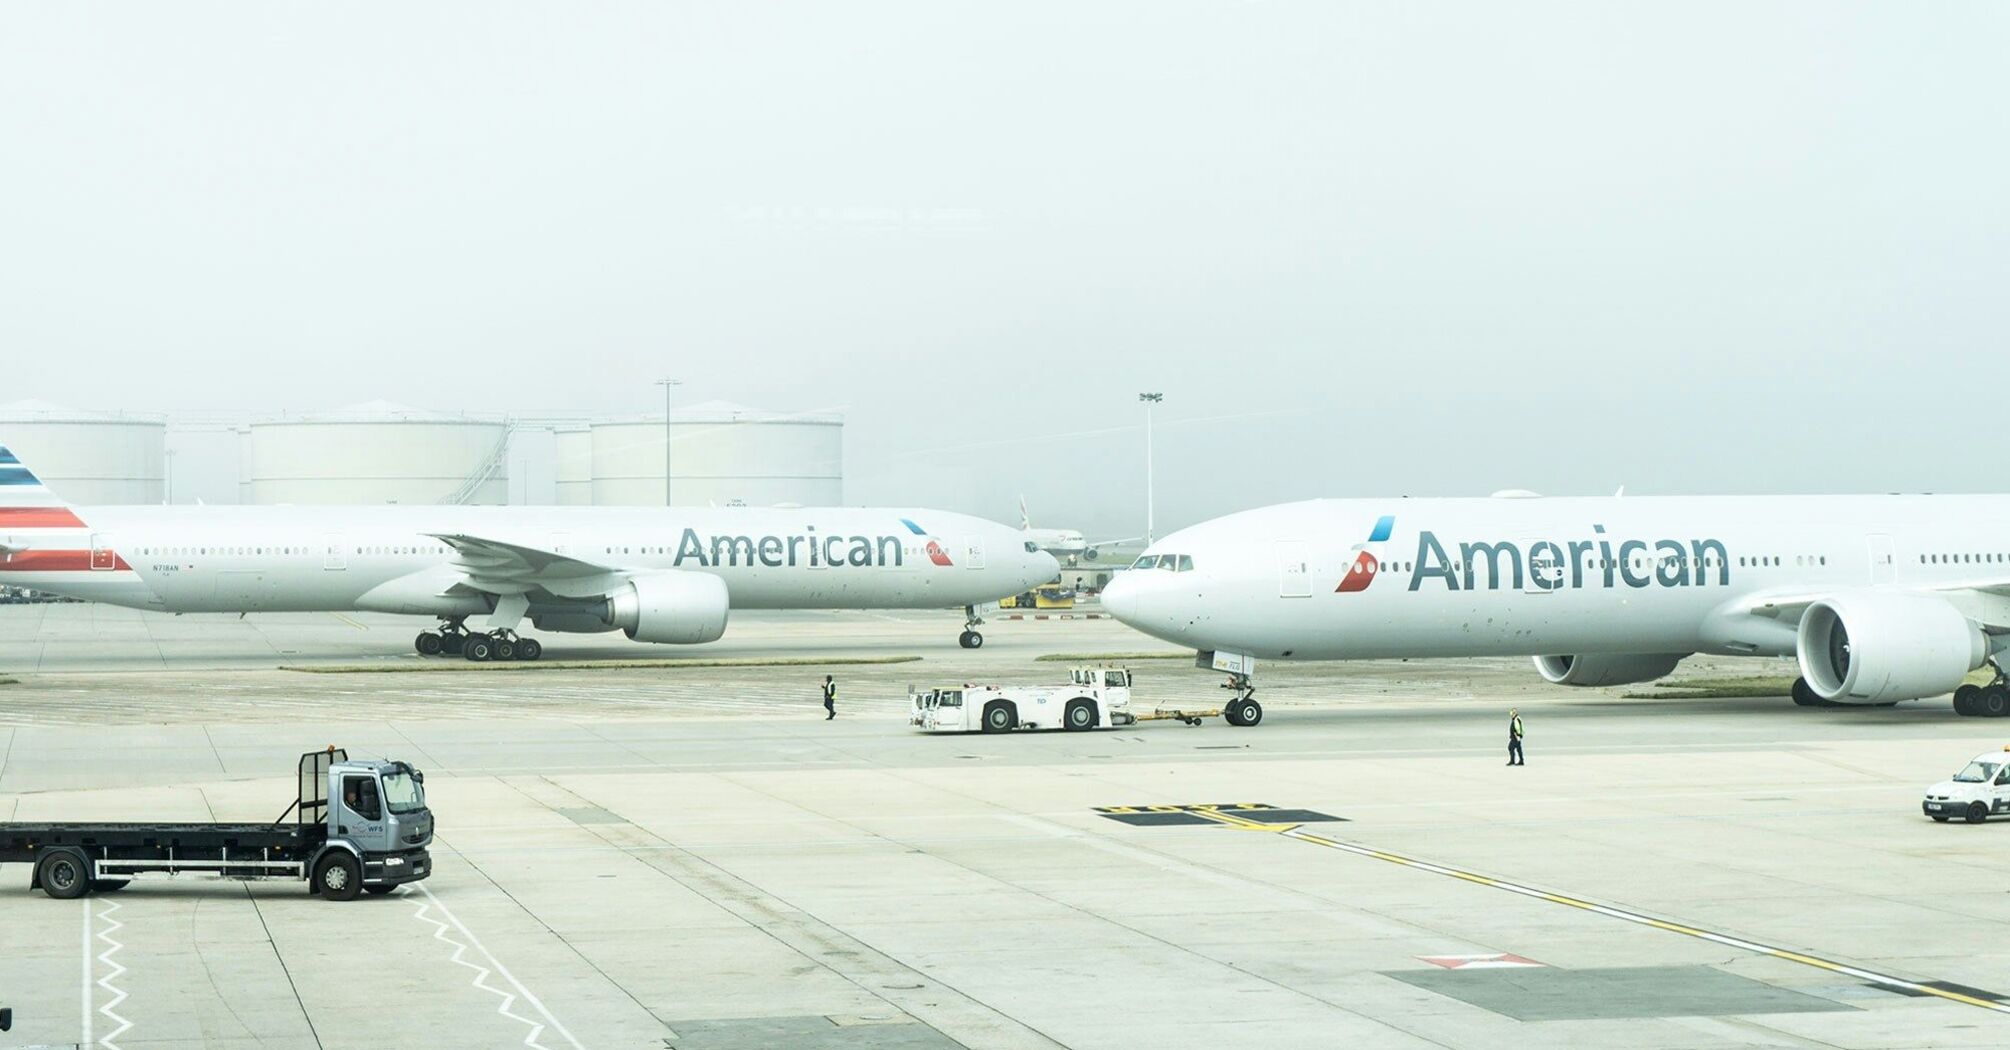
[1977, 813]
[998, 717]
[109, 885]
[378, 888]
[64, 875]
[1081, 715]
[338, 878]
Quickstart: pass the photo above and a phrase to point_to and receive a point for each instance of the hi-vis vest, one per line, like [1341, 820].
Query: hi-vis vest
[1514, 727]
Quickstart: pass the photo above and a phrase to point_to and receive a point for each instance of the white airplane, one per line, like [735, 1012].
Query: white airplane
[1062, 543]
[658, 575]
[1881, 598]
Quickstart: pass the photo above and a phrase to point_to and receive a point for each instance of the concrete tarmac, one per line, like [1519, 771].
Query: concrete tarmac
[692, 857]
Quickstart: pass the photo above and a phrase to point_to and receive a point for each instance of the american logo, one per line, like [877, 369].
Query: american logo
[1362, 572]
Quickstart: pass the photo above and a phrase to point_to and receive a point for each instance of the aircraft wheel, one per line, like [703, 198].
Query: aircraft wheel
[529, 649]
[427, 643]
[1994, 701]
[505, 649]
[1804, 694]
[1244, 713]
[451, 642]
[478, 648]
[970, 640]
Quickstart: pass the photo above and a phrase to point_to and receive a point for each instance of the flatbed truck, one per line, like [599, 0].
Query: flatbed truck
[356, 826]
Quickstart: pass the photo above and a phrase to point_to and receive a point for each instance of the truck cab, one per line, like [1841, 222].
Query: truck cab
[377, 811]
[1981, 788]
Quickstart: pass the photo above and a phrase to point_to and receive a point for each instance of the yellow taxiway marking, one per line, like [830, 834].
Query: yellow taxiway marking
[353, 623]
[1294, 831]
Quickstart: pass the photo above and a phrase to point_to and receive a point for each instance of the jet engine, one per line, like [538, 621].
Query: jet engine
[1877, 648]
[680, 608]
[1606, 668]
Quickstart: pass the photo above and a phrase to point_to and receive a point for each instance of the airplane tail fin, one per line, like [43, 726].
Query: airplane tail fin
[27, 503]
[1025, 519]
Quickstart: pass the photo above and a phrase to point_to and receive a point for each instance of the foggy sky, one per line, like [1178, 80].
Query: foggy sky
[1363, 249]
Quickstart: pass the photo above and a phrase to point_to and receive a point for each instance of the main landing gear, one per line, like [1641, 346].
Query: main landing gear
[970, 639]
[454, 639]
[1243, 710]
[1984, 701]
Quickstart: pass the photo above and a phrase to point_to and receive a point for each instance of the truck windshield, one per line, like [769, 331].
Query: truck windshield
[1977, 773]
[403, 794]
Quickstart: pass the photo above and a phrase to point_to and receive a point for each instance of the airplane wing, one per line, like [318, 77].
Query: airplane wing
[1112, 543]
[500, 567]
[1984, 600]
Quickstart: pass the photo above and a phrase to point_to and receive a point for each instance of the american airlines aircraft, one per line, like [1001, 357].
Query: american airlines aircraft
[1880, 598]
[658, 575]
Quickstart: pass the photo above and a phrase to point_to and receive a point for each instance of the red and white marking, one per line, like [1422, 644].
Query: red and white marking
[1500, 961]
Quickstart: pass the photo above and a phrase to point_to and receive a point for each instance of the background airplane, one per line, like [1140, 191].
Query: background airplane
[1879, 598]
[1069, 544]
[657, 574]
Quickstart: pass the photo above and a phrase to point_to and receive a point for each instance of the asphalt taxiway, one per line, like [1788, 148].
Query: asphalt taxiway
[690, 856]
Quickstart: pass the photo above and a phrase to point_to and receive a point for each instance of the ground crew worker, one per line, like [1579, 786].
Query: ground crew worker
[830, 698]
[1514, 738]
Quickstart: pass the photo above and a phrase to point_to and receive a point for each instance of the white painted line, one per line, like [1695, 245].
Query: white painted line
[482, 972]
[118, 994]
[86, 1040]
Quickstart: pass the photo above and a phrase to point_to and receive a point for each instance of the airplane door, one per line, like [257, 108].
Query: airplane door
[334, 553]
[973, 552]
[1294, 569]
[102, 555]
[1883, 567]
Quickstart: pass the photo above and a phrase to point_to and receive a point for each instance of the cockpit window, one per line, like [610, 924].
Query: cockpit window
[1186, 563]
[1032, 548]
[1146, 562]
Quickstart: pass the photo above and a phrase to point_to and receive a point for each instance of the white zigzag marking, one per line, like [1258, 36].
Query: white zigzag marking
[481, 976]
[118, 994]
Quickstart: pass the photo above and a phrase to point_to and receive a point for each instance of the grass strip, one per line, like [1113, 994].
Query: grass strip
[1716, 688]
[450, 664]
[1090, 658]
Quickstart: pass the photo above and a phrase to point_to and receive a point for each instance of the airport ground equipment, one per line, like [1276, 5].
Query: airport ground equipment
[1095, 697]
[1980, 789]
[355, 826]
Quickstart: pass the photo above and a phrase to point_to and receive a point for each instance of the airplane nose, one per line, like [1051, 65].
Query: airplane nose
[1120, 598]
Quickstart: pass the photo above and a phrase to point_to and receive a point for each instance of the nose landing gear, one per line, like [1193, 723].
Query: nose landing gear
[1243, 710]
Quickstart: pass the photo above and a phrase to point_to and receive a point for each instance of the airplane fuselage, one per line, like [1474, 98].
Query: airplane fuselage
[1355, 579]
[234, 559]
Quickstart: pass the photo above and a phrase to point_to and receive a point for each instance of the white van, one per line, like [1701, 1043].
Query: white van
[1982, 788]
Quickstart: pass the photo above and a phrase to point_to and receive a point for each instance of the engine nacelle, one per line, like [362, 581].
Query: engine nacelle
[1876, 648]
[1606, 668]
[679, 608]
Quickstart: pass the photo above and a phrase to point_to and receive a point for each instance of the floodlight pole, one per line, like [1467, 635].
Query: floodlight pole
[668, 385]
[1149, 399]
